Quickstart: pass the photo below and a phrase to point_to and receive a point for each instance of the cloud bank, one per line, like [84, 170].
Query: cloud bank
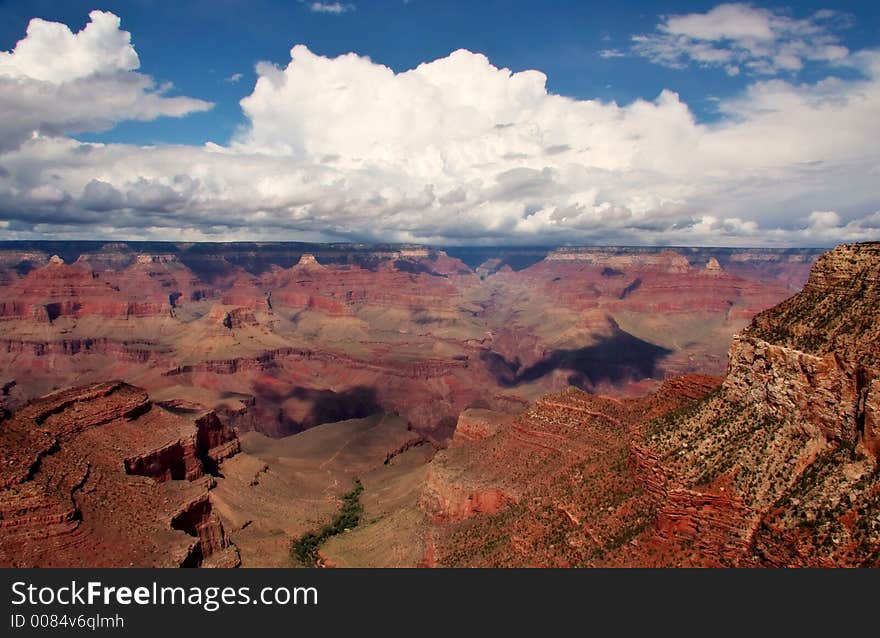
[456, 150]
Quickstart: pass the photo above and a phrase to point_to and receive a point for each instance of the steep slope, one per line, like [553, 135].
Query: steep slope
[817, 355]
[776, 467]
[553, 486]
[781, 467]
[98, 476]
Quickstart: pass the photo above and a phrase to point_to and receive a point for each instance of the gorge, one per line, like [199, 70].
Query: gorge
[515, 407]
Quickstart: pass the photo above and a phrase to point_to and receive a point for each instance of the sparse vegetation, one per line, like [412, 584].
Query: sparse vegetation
[305, 549]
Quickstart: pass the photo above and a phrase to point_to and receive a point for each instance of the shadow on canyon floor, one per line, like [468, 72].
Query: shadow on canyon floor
[316, 407]
[613, 359]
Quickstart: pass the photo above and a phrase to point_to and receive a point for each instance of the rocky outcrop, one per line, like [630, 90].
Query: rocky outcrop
[189, 457]
[872, 418]
[308, 261]
[476, 424]
[816, 356]
[215, 442]
[73, 494]
[212, 547]
[448, 500]
[836, 312]
[647, 467]
[837, 270]
[40, 427]
[488, 267]
[780, 469]
[174, 461]
[233, 318]
[713, 268]
[719, 524]
[821, 390]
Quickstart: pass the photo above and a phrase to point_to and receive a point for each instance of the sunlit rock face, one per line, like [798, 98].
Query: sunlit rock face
[817, 355]
[100, 476]
[314, 333]
[449, 396]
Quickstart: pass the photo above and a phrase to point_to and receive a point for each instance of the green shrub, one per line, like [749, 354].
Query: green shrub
[305, 549]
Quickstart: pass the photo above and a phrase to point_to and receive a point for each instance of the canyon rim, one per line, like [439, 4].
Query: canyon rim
[424, 285]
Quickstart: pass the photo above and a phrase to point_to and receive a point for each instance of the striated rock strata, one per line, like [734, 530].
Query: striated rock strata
[100, 476]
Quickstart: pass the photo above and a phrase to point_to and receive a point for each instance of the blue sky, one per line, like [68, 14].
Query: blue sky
[197, 45]
[661, 122]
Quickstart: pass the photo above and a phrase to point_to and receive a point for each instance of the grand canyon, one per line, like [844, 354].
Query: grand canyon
[390, 284]
[171, 404]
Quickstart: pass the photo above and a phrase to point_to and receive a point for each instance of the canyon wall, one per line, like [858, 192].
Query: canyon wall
[316, 333]
[815, 357]
[100, 476]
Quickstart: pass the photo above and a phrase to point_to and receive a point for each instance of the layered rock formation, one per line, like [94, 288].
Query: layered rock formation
[778, 467]
[99, 476]
[552, 486]
[315, 333]
[825, 391]
[816, 356]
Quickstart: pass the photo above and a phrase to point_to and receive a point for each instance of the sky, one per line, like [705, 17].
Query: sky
[637, 123]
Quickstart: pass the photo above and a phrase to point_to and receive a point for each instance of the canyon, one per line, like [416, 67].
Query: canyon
[774, 465]
[497, 407]
[282, 337]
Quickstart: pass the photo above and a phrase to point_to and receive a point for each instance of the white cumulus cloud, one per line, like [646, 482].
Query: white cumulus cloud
[58, 82]
[458, 150]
